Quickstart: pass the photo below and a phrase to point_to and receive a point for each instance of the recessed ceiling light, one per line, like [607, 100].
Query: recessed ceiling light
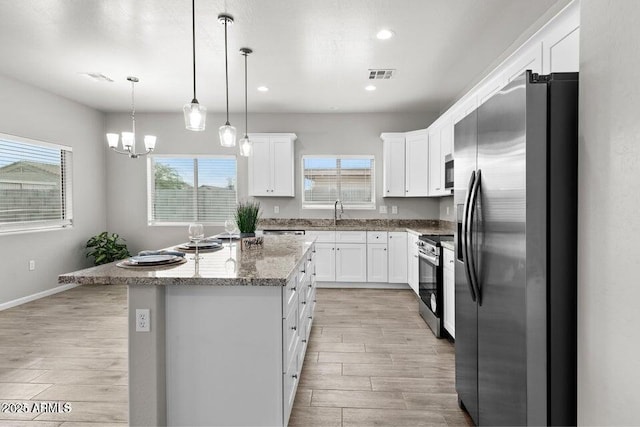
[370, 88]
[263, 89]
[385, 34]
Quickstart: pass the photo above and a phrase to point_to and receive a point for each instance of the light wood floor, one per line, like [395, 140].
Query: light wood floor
[371, 361]
[69, 347]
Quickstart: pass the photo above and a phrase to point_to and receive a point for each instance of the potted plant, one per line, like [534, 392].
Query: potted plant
[106, 248]
[247, 217]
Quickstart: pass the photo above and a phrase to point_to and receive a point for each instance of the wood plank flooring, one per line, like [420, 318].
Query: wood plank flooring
[69, 347]
[371, 361]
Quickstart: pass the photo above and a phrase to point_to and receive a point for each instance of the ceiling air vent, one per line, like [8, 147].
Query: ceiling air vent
[381, 74]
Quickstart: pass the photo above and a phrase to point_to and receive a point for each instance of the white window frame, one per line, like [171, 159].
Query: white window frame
[367, 206]
[67, 192]
[151, 187]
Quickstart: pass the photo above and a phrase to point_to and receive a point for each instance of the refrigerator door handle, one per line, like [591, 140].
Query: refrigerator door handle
[473, 199]
[465, 236]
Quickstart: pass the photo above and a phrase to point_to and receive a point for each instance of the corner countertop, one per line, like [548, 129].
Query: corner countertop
[272, 265]
[415, 226]
[449, 245]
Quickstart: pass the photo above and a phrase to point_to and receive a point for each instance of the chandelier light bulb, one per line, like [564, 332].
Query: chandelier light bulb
[149, 142]
[127, 140]
[112, 140]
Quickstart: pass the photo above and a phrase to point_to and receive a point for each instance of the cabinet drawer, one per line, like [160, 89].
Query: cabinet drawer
[290, 296]
[351, 237]
[290, 382]
[448, 259]
[322, 236]
[377, 237]
[290, 336]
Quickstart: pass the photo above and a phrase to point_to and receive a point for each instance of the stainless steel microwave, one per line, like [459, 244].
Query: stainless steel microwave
[448, 172]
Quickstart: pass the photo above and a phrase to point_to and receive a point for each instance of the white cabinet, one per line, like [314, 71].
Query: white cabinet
[435, 162]
[351, 262]
[393, 174]
[377, 263]
[412, 262]
[397, 255]
[406, 164]
[271, 165]
[449, 290]
[417, 164]
[326, 262]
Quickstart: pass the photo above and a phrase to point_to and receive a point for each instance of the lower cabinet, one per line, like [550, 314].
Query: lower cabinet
[449, 290]
[377, 263]
[351, 262]
[397, 265]
[413, 262]
[326, 262]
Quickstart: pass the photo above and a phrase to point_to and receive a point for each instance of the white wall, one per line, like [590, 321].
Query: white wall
[609, 205]
[32, 113]
[317, 134]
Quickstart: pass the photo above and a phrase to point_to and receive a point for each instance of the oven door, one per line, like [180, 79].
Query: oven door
[429, 287]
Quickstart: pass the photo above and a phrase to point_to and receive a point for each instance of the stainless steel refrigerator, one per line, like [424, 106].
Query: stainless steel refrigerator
[516, 172]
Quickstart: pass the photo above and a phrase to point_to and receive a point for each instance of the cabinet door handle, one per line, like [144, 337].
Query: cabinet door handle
[337, 249]
[311, 317]
[385, 249]
[293, 289]
[304, 302]
[294, 376]
[304, 340]
[295, 328]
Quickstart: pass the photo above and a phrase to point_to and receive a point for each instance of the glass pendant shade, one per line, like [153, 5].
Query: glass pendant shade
[127, 140]
[149, 142]
[112, 140]
[227, 135]
[246, 147]
[195, 116]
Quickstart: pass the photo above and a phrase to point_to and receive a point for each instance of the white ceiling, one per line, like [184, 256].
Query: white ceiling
[312, 54]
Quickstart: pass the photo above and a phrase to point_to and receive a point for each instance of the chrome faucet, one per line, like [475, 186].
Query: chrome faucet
[335, 212]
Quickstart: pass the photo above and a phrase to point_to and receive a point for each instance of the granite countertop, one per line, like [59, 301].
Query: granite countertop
[272, 265]
[448, 245]
[416, 226]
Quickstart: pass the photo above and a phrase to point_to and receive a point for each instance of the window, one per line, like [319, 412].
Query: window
[349, 179]
[185, 189]
[35, 185]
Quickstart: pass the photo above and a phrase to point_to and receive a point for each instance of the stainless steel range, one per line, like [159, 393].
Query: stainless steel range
[430, 284]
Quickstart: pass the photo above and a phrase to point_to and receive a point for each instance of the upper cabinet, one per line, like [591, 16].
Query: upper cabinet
[393, 165]
[406, 164]
[417, 163]
[271, 165]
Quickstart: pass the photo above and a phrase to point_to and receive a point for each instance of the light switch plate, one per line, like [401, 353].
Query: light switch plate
[276, 209]
[394, 210]
[383, 209]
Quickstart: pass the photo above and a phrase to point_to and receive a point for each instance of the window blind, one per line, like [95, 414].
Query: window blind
[349, 179]
[188, 189]
[35, 184]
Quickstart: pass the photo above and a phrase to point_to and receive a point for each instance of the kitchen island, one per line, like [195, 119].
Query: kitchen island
[227, 334]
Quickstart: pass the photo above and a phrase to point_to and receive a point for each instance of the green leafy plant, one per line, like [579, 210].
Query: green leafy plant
[107, 248]
[247, 216]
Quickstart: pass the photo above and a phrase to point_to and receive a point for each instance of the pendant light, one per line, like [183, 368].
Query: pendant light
[245, 144]
[227, 132]
[129, 138]
[195, 115]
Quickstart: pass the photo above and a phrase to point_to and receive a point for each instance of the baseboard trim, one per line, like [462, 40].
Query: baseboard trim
[362, 285]
[33, 297]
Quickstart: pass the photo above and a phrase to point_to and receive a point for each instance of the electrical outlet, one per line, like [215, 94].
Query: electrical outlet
[143, 320]
[32, 265]
[447, 210]
[383, 209]
[276, 209]
[394, 210]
